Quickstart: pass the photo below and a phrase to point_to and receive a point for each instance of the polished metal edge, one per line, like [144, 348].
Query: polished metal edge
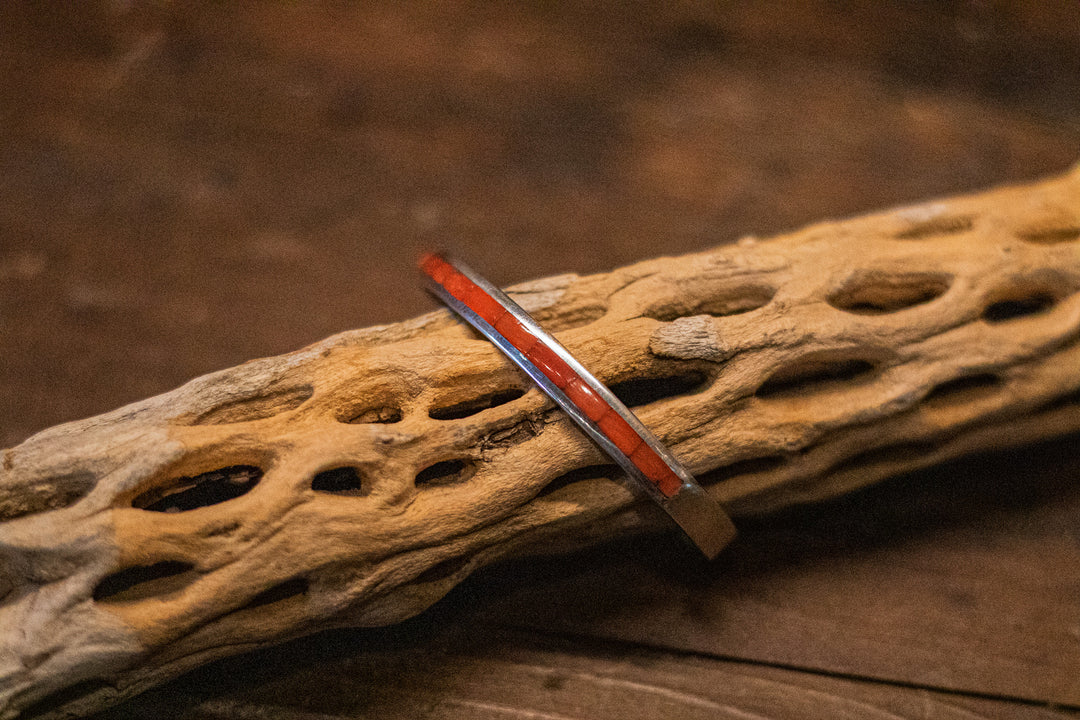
[699, 516]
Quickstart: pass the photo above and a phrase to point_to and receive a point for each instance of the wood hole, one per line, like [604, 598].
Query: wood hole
[645, 390]
[963, 389]
[1050, 235]
[1012, 308]
[881, 292]
[472, 406]
[445, 472]
[144, 581]
[291, 588]
[606, 471]
[732, 302]
[345, 480]
[814, 373]
[941, 225]
[382, 415]
[182, 494]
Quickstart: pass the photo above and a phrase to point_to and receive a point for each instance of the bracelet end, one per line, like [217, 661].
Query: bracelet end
[702, 519]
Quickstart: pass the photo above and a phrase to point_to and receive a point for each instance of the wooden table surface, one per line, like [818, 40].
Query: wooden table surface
[183, 188]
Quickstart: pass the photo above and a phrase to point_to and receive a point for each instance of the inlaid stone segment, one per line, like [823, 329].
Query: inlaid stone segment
[545, 358]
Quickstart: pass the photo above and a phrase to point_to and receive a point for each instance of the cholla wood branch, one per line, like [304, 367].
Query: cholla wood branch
[356, 481]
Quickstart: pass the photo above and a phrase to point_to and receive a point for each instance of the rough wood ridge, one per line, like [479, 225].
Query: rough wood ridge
[356, 481]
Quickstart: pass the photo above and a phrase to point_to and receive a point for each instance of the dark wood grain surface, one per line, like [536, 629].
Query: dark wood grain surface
[963, 578]
[185, 187]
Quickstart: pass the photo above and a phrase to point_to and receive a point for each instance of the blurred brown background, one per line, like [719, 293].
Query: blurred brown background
[185, 186]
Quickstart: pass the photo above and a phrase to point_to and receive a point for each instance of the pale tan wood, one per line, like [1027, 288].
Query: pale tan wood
[802, 367]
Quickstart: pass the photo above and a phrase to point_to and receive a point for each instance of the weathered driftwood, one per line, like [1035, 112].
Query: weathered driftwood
[354, 482]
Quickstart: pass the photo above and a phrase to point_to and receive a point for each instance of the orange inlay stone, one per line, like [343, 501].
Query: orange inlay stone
[654, 468]
[551, 365]
[435, 267]
[461, 287]
[619, 432]
[586, 398]
[485, 306]
[518, 335]
[458, 285]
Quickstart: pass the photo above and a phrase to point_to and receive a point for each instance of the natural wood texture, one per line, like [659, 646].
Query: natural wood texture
[963, 577]
[356, 481]
[518, 676]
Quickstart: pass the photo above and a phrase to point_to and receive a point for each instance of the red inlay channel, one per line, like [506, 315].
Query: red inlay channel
[617, 430]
